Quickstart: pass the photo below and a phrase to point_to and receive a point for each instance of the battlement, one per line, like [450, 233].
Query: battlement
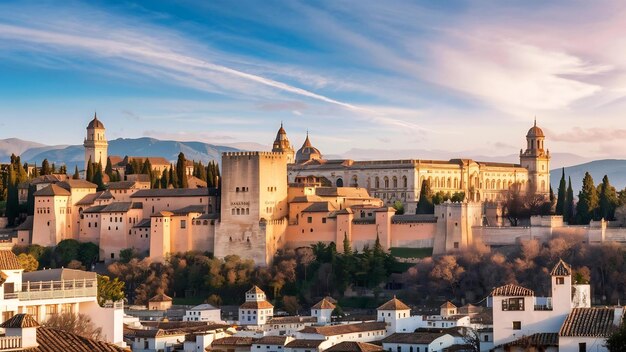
[252, 153]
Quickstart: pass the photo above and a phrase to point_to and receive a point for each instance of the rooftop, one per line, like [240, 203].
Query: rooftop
[589, 322]
[394, 304]
[561, 269]
[324, 304]
[174, 192]
[304, 343]
[354, 346]
[512, 290]
[413, 337]
[333, 330]
[8, 261]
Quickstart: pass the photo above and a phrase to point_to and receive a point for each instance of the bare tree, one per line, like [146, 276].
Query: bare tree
[79, 324]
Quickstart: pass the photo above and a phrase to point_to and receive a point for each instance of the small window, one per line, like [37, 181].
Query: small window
[517, 325]
[560, 280]
[309, 219]
[582, 347]
[323, 220]
[456, 245]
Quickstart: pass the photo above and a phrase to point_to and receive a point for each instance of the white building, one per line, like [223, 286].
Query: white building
[203, 312]
[333, 334]
[256, 310]
[418, 342]
[586, 329]
[323, 311]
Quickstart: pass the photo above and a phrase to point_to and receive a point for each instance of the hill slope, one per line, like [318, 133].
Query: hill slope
[615, 169]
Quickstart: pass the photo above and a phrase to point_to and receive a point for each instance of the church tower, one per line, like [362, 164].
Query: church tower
[536, 160]
[96, 143]
[282, 145]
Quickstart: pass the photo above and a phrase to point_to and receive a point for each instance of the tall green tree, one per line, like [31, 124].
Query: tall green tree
[165, 179]
[12, 207]
[35, 172]
[568, 213]
[108, 169]
[98, 178]
[347, 248]
[587, 201]
[425, 202]
[173, 177]
[76, 175]
[608, 201]
[45, 167]
[560, 200]
[89, 173]
[181, 171]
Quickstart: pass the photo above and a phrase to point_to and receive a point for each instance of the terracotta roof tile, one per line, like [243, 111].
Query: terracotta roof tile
[413, 337]
[512, 290]
[323, 304]
[547, 339]
[8, 261]
[162, 297]
[394, 304]
[333, 330]
[561, 269]
[20, 321]
[354, 346]
[271, 340]
[256, 305]
[304, 343]
[52, 190]
[255, 289]
[52, 340]
[589, 322]
[448, 304]
[233, 340]
[292, 320]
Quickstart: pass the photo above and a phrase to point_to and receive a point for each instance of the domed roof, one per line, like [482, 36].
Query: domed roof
[95, 123]
[307, 152]
[281, 143]
[535, 131]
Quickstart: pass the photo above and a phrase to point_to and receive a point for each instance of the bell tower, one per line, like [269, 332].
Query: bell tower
[536, 160]
[282, 145]
[95, 144]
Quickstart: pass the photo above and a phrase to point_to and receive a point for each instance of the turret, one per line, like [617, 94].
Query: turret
[95, 144]
[536, 160]
[282, 145]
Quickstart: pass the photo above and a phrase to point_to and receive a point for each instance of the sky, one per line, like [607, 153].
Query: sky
[467, 77]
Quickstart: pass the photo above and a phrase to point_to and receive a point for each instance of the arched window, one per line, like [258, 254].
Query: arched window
[386, 182]
[449, 183]
[355, 182]
[487, 184]
[456, 182]
[499, 184]
[339, 182]
[395, 182]
[376, 182]
[404, 182]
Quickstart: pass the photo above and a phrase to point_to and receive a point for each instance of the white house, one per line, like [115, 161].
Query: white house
[256, 310]
[271, 344]
[360, 332]
[323, 311]
[203, 312]
[586, 329]
[306, 345]
[417, 342]
[398, 316]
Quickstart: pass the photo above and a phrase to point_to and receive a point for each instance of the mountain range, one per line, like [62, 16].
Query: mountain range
[71, 155]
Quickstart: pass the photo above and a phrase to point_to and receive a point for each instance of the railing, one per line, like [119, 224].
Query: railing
[116, 305]
[10, 342]
[33, 290]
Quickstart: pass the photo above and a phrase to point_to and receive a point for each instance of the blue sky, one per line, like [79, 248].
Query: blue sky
[459, 76]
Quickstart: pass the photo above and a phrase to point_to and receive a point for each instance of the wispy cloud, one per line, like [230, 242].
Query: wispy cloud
[587, 135]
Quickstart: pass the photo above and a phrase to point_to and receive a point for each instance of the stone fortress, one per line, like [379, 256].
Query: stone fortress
[288, 199]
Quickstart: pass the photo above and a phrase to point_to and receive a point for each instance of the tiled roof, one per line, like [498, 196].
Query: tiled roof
[589, 322]
[448, 304]
[324, 304]
[121, 207]
[174, 192]
[354, 346]
[121, 185]
[413, 218]
[546, 339]
[304, 343]
[94, 209]
[147, 333]
[292, 320]
[256, 305]
[162, 214]
[512, 290]
[320, 207]
[271, 340]
[71, 183]
[199, 208]
[143, 223]
[8, 261]
[561, 269]
[52, 190]
[58, 275]
[233, 341]
[394, 304]
[413, 337]
[344, 328]
[161, 297]
[52, 340]
[27, 224]
[19, 321]
[89, 199]
[255, 289]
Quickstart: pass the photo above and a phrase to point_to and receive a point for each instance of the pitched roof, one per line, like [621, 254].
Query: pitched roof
[144, 223]
[72, 183]
[158, 333]
[561, 269]
[27, 224]
[344, 328]
[256, 305]
[52, 190]
[512, 290]
[394, 304]
[204, 306]
[52, 340]
[545, 339]
[161, 297]
[174, 192]
[319, 207]
[19, 321]
[271, 340]
[354, 346]
[197, 208]
[121, 185]
[589, 322]
[94, 209]
[304, 343]
[234, 340]
[292, 320]
[123, 207]
[89, 199]
[58, 275]
[413, 337]
[448, 304]
[255, 289]
[324, 304]
[8, 261]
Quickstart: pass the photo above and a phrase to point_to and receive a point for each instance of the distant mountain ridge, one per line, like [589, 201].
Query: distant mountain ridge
[615, 169]
[72, 155]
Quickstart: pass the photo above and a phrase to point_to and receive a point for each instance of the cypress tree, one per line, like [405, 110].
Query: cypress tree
[347, 248]
[90, 171]
[98, 177]
[587, 201]
[560, 200]
[173, 177]
[45, 167]
[53, 169]
[76, 175]
[425, 203]
[12, 207]
[35, 172]
[181, 171]
[568, 214]
[63, 170]
[108, 170]
[607, 200]
[165, 179]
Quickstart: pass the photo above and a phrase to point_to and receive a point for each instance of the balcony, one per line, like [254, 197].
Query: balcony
[36, 290]
[10, 342]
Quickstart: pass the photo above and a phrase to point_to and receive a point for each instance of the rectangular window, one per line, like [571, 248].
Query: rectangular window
[309, 219]
[183, 224]
[560, 281]
[456, 245]
[517, 325]
[582, 347]
[323, 220]
[513, 304]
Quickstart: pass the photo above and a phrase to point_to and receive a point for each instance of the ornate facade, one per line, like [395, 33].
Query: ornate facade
[95, 144]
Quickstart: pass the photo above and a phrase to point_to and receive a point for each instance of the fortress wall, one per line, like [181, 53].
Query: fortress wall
[413, 235]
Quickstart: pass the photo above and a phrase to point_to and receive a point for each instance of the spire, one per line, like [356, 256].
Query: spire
[535, 120]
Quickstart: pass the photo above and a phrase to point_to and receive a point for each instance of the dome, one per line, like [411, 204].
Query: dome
[307, 152]
[95, 123]
[535, 131]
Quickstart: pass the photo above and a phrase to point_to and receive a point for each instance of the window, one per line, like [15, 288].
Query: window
[517, 325]
[486, 338]
[582, 347]
[513, 304]
[309, 219]
[183, 224]
[456, 245]
[560, 280]
[323, 220]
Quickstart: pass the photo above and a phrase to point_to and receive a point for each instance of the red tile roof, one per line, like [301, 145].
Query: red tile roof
[19, 321]
[256, 305]
[512, 290]
[333, 330]
[323, 304]
[589, 322]
[394, 304]
[561, 269]
[52, 340]
[8, 261]
[354, 346]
